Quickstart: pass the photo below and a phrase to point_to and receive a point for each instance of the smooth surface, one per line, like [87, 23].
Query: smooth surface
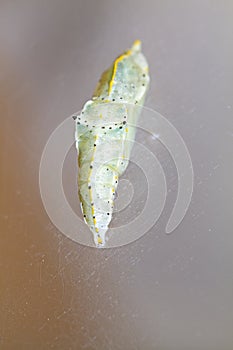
[162, 292]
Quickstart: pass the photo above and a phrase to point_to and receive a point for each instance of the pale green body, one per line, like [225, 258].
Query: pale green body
[103, 133]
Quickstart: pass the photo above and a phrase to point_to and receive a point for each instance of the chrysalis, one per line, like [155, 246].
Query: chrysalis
[102, 131]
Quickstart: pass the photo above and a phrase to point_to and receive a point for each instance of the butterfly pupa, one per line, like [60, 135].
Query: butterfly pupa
[102, 130]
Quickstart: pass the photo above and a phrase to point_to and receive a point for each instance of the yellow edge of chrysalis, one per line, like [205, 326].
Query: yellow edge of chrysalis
[136, 47]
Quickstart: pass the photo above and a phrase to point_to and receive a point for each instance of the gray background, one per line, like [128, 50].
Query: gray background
[160, 292]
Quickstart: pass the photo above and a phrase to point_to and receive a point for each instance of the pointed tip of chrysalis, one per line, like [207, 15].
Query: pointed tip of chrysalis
[99, 237]
[137, 45]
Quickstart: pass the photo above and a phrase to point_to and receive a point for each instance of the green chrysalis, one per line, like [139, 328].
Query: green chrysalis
[102, 131]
